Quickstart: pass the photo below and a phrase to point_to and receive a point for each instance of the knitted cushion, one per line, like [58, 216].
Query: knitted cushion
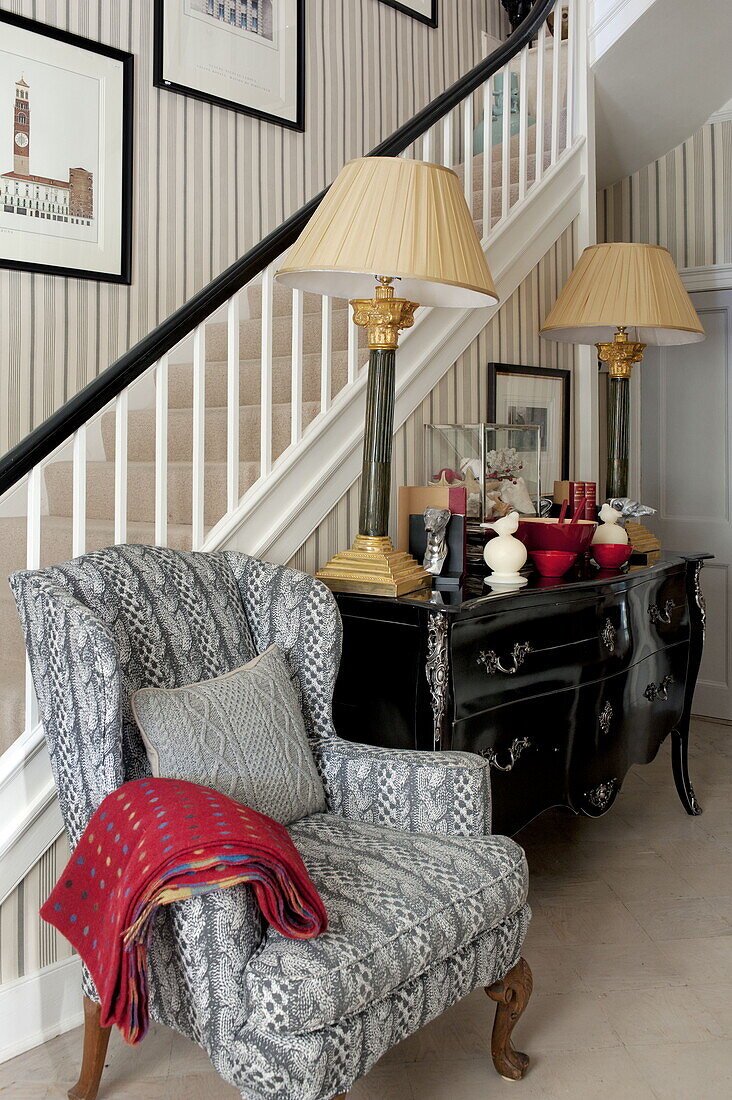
[241, 733]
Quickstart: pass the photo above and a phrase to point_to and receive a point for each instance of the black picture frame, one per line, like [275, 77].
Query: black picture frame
[428, 20]
[160, 81]
[126, 61]
[493, 372]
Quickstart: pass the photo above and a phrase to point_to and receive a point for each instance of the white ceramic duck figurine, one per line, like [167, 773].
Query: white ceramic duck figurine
[505, 555]
[610, 530]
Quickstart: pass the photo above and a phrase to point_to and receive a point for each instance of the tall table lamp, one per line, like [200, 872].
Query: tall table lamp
[386, 220]
[622, 297]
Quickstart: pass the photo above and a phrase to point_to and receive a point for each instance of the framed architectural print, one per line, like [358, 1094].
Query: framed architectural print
[425, 10]
[66, 160]
[535, 395]
[247, 55]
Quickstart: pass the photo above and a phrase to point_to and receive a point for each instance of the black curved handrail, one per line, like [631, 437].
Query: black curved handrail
[57, 428]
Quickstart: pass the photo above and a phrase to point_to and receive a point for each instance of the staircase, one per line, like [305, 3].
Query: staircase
[238, 421]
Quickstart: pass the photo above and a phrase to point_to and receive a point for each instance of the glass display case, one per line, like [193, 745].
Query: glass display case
[499, 465]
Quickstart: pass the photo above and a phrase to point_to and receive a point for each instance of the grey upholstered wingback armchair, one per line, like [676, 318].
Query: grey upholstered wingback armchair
[424, 904]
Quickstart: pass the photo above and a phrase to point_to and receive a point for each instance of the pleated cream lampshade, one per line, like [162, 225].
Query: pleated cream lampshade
[633, 285]
[403, 218]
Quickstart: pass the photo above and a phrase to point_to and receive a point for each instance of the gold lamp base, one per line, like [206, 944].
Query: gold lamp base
[373, 567]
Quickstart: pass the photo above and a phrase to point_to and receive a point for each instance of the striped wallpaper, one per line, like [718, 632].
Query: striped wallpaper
[210, 183]
[26, 943]
[511, 337]
[682, 201]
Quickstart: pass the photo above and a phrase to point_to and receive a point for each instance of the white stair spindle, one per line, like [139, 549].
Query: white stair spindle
[326, 343]
[161, 452]
[506, 141]
[265, 438]
[487, 155]
[427, 146]
[121, 404]
[523, 120]
[352, 347]
[34, 499]
[232, 403]
[540, 102]
[571, 57]
[468, 151]
[78, 492]
[296, 383]
[447, 140]
[556, 66]
[199, 432]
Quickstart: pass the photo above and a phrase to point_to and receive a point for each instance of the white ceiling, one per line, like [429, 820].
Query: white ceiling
[660, 81]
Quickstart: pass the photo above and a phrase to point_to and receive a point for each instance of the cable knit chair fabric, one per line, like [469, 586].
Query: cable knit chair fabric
[423, 903]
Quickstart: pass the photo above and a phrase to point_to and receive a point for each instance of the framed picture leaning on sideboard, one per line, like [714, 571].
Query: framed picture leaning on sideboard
[66, 160]
[534, 395]
[246, 55]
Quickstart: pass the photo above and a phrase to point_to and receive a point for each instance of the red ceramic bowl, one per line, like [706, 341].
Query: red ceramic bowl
[553, 563]
[549, 534]
[611, 555]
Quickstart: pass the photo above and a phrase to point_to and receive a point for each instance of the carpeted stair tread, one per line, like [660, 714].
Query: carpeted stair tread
[141, 432]
[180, 379]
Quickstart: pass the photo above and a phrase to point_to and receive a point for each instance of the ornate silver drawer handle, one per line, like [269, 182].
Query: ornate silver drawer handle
[658, 691]
[662, 617]
[608, 635]
[492, 661]
[605, 718]
[517, 747]
[601, 796]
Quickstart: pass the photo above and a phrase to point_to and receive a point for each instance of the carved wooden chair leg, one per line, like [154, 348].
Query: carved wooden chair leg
[512, 995]
[96, 1039]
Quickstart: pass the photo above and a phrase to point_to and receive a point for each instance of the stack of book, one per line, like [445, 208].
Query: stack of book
[575, 492]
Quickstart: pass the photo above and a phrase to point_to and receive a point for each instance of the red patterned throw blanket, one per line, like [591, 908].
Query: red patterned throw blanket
[156, 841]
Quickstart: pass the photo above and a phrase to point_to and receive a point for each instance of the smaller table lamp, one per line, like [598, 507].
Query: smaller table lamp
[622, 297]
[387, 219]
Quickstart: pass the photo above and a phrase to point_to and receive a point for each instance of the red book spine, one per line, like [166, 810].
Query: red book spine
[458, 501]
[579, 495]
[590, 500]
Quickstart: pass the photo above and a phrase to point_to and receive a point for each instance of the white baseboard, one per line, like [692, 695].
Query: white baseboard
[39, 1007]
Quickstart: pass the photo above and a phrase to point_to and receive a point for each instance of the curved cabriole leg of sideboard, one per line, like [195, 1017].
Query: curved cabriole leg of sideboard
[680, 762]
[512, 996]
[680, 736]
[96, 1039]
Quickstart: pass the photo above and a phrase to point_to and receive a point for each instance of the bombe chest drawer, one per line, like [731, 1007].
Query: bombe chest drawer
[562, 688]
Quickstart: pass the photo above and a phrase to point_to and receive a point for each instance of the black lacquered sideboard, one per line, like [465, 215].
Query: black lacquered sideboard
[561, 685]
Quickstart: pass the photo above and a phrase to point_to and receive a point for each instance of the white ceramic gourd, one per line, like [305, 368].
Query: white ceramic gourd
[505, 555]
[610, 530]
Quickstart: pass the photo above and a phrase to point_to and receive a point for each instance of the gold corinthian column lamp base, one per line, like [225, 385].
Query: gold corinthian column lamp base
[409, 219]
[372, 564]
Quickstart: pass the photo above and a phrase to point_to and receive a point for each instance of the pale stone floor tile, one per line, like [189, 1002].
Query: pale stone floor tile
[649, 879]
[668, 1015]
[712, 879]
[593, 922]
[679, 918]
[722, 906]
[718, 1000]
[615, 966]
[701, 960]
[686, 1071]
